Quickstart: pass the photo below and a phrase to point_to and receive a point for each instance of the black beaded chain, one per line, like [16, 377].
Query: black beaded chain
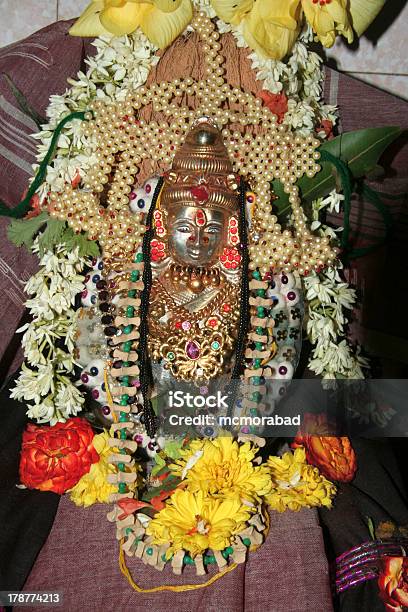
[145, 375]
[244, 305]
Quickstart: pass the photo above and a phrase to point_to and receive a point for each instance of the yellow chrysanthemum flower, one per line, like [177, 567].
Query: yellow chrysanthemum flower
[223, 468]
[160, 20]
[194, 522]
[296, 485]
[93, 486]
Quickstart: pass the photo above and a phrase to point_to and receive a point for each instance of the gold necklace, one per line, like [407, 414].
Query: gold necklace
[193, 345]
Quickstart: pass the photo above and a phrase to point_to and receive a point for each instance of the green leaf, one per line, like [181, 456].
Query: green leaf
[87, 248]
[52, 235]
[160, 464]
[361, 151]
[22, 231]
[23, 102]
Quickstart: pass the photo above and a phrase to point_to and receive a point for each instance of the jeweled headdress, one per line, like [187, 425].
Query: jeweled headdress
[201, 173]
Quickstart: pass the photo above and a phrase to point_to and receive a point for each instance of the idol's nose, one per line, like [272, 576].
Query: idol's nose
[194, 240]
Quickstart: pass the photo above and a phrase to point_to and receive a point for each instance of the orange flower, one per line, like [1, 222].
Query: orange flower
[277, 103]
[325, 127]
[334, 456]
[393, 583]
[55, 458]
[34, 204]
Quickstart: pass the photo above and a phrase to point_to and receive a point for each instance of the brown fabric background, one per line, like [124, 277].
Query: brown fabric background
[288, 573]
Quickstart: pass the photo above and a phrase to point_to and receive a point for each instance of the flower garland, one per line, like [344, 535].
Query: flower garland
[45, 382]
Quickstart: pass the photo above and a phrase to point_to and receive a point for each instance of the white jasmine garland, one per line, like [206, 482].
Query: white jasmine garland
[48, 341]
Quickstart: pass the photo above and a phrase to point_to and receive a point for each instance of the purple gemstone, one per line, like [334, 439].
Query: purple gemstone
[95, 393]
[138, 438]
[192, 350]
[245, 430]
[84, 378]
[291, 295]
[283, 370]
[84, 293]
[148, 188]
[106, 410]
[284, 279]
[132, 195]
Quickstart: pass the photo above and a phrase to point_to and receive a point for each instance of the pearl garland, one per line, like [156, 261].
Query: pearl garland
[260, 149]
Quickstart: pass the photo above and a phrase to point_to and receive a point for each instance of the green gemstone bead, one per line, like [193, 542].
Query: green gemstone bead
[260, 331]
[229, 550]
[122, 487]
[256, 380]
[123, 434]
[257, 364]
[149, 551]
[253, 411]
[215, 346]
[256, 274]
[124, 381]
[246, 541]
[209, 559]
[139, 257]
[170, 356]
[225, 554]
[129, 311]
[127, 346]
[188, 560]
[122, 418]
[134, 275]
[128, 530]
[121, 466]
[258, 346]
[123, 451]
[260, 292]
[132, 293]
[163, 557]
[126, 364]
[124, 396]
[127, 329]
[261, 311]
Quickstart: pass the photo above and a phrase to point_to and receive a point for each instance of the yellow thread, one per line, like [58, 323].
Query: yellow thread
[109, 395]
[182, 587]
[175, 588]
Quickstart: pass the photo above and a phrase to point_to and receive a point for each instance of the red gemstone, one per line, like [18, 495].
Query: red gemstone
[192, 350]
[200, 193]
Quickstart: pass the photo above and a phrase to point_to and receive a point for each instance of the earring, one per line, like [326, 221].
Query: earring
[160, 228]
[230, 258]
[158, 250]
[233, 237]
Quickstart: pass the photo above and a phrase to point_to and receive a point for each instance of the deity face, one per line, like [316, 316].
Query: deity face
[196, 237]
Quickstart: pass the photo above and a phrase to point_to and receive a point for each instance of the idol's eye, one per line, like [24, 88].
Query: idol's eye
[184, 229]
[212, 229]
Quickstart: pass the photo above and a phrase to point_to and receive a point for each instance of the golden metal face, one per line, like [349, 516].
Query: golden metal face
[196, 236]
